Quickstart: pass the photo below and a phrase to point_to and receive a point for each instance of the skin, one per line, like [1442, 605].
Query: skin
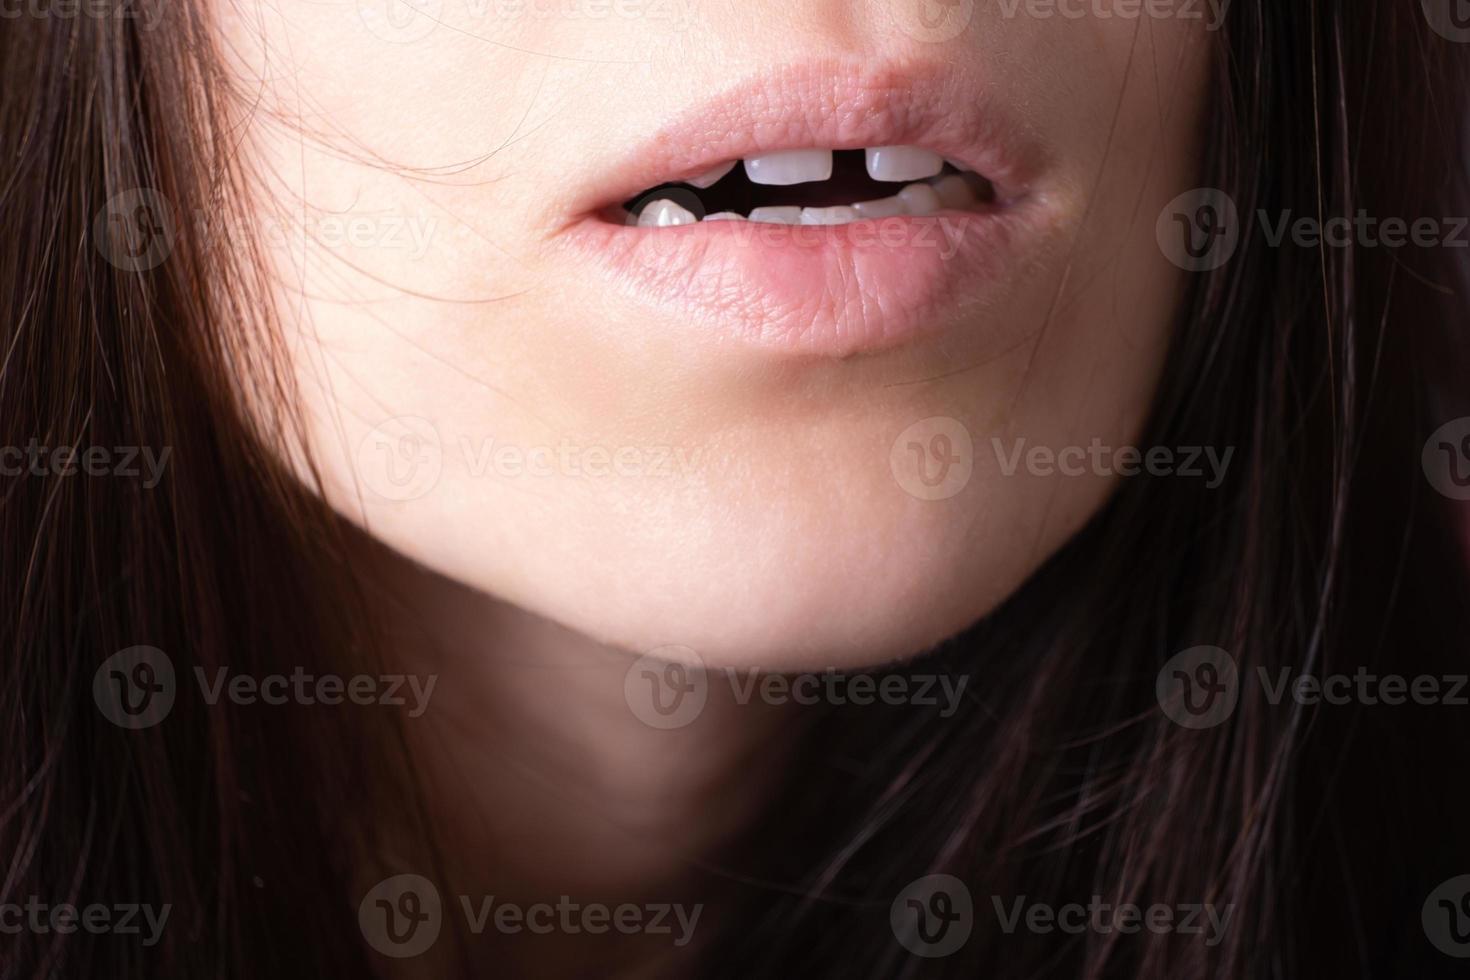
[782, 538]
[477, 134]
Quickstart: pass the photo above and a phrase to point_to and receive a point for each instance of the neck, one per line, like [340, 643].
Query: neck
[546, 784]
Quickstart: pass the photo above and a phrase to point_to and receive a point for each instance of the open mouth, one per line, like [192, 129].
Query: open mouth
[827, 208]
[814, 187]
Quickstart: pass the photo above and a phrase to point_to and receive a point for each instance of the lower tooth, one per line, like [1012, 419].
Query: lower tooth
[954, 192]
[983, 189]
[664, 214]
[828, 216]
[884, 207]
[919, 199]
[725, 216]
[777, 216]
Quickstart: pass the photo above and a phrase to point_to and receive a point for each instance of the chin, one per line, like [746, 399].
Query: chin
[793, 583]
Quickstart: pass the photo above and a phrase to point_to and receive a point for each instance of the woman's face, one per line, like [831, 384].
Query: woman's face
[772, 444]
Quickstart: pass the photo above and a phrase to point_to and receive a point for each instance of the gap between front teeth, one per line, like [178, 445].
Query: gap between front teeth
[890, 164]
[951, 192]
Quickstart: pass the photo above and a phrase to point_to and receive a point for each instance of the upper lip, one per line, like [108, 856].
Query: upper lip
[837, 106]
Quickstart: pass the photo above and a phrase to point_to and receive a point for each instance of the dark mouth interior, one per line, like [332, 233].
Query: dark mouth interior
[735, 192]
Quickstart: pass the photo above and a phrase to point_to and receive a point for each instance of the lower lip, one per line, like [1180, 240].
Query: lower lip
[817, 290]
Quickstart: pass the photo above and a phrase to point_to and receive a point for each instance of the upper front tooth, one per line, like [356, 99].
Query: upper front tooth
[664, 213]
[902, 163]
[712, 177]
[789, 167]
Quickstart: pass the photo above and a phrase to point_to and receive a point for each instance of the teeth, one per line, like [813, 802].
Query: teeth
[777, 216]
[895, 163]
[919, 199]
[927, 189]
[789, 167]
[828, 216]
[954, 193]
[664, 214]
[884, 207]
[983, 189]
[712, 177]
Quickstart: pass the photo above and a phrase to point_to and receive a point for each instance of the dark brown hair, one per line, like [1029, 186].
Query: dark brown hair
[1325, 550]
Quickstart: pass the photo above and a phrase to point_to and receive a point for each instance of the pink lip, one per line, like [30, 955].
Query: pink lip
[830, 291]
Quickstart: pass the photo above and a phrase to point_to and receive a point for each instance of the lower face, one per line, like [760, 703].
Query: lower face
[731, 327]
